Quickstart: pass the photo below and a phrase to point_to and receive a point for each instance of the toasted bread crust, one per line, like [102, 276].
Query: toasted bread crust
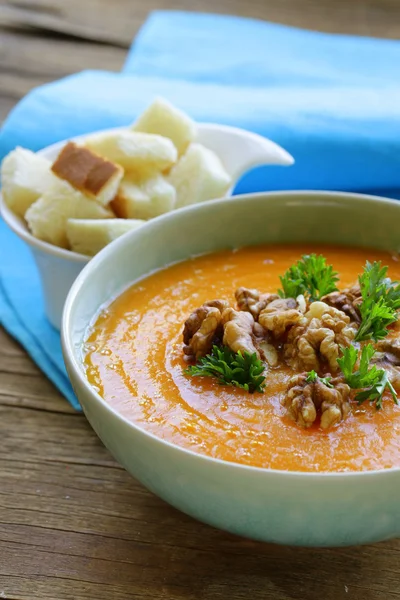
[118, 205]
[83, 169]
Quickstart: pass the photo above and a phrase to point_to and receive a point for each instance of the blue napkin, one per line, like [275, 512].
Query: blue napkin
[332, 101]
[21, 311]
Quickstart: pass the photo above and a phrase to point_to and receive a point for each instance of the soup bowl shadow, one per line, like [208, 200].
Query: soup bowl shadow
[296, 508]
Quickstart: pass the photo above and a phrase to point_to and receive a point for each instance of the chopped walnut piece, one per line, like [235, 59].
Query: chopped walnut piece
[391, 350]
[301, 303]
[238, 331]
[299, 401]
[262, 342]
[268, 352]
[203, 328]
[279, 315]
[393, 372]
[253, 301]
[347, 301]
[303, 399]
[215, 322]
[220, 304]
[388, 357]
[335, 405]
[318, 336]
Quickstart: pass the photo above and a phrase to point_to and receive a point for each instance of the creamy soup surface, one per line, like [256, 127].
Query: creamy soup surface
[134, 359]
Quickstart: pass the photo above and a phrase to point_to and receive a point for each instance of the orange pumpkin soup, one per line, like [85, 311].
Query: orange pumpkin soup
[134, 359]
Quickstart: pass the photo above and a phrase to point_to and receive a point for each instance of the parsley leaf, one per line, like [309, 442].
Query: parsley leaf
[292, 283]
[348, 361]
[313, 377]
[363, 377]
[375, 393]
[380, 302]
[374, 380]
[310, 275]
[231, 368]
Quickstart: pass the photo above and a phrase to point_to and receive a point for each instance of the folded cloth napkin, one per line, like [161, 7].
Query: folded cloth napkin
[22, 314]
[330, 100]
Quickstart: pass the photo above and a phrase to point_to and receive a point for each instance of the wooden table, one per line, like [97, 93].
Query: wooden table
[73, 524]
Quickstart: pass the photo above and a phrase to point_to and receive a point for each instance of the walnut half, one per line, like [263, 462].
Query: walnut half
[347, 301]
[253, 301]
[203, 328]
[238, 331]
[388, 357]
[215, 322]
[317, 337]
[304, 399]
[279, 315]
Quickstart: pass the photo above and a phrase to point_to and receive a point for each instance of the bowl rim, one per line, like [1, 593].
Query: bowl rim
[72, 361]
[16, 223]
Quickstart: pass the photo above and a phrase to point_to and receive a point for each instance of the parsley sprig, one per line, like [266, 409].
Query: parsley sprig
[380, 302]
[310, 275]
[313, 377]
[231, 368]
[374, 380]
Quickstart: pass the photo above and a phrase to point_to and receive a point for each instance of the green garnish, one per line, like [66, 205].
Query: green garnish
[374, 380]
[310, 275]
[375, 393]
[380, 302]
[363, 377]
[313, 377]
[231, 368]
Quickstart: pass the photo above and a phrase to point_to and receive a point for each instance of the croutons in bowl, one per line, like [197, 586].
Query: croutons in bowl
[71, 199]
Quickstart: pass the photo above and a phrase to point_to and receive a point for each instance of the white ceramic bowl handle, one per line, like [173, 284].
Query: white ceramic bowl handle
[242, 150]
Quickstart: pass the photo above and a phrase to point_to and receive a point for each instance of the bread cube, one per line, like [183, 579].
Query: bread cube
[142, 153]
[89, 236]
[88, 172]
[163, 118]
[47, 217]
[25, 176]
[144, 199]
[198, 176]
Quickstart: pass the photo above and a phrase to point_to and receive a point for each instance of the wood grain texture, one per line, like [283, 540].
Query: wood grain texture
[29, 58]
[73, 524]
[116, 22]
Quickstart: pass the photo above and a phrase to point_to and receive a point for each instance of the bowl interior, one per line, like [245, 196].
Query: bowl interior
[287, 217]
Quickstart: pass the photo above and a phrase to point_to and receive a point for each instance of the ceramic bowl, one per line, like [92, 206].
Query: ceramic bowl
[307, 509]
[239, 151]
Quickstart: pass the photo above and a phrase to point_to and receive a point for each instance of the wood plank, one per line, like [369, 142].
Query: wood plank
[117, 22]
[9, 346]
[25, 52]
[30, 390]
[23, 384]
[80, 527]
[29, 59]
[53, 442]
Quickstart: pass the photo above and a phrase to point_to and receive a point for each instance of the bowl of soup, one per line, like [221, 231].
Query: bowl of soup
[241, 360]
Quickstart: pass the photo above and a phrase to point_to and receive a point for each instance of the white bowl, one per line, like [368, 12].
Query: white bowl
[308, 509]
[239, 151]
